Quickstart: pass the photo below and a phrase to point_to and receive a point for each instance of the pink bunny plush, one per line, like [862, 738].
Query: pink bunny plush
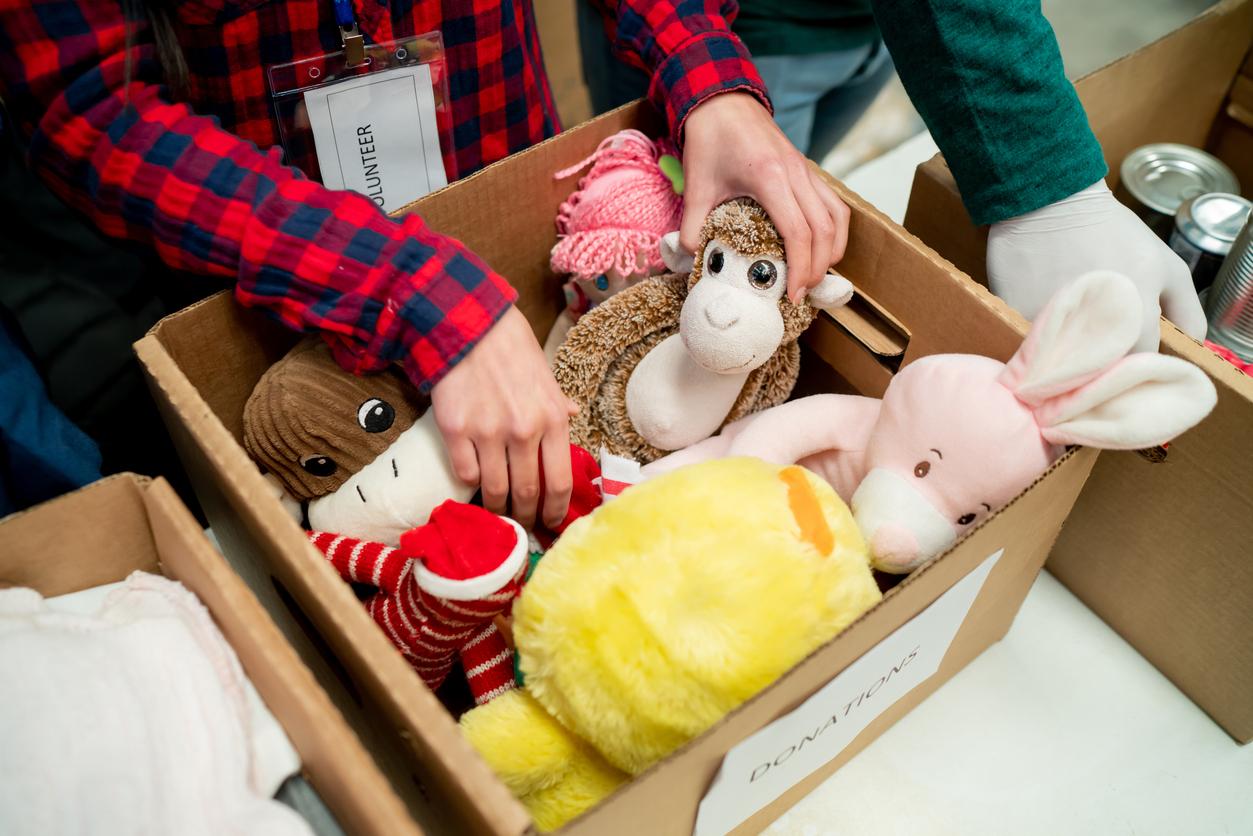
[956, 436]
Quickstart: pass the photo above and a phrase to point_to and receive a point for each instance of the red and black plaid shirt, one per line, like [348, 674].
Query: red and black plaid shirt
[203, 183]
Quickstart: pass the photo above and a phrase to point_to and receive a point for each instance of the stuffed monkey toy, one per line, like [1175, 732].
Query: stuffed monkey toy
[666, 363]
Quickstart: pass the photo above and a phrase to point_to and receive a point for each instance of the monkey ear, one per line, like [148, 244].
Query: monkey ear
[673, 254]
[834, 291]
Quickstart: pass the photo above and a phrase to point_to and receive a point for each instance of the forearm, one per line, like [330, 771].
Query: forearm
[107, 141]
[988, 80]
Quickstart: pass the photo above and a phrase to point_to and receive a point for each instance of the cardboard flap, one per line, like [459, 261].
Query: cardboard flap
[234, 367]
[927, 298]
[871, 325]
[76, 553]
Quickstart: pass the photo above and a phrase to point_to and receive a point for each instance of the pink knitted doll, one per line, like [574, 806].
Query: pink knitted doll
[610, 229]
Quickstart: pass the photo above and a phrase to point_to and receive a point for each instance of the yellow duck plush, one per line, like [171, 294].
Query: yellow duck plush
[659, 613]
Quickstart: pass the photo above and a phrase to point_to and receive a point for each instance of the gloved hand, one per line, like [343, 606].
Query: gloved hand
[1031, 256]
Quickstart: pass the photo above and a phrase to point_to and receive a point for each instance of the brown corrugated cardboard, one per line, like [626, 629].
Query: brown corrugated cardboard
[1161, 551]
[912, 304]
[57, 548]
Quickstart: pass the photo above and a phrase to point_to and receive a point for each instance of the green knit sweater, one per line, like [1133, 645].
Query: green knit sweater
[986, 75]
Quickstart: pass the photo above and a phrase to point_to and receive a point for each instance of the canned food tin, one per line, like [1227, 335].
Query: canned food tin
[1155, 179]
[1229, 305]
[1205, 228]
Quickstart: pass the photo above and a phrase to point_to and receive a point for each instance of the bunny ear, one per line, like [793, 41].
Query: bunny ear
[1144, 400]
[676, 258]
[834, 291]
[1088, 326]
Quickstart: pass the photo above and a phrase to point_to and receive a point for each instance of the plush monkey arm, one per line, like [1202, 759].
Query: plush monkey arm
[361, 561]
[488, 664]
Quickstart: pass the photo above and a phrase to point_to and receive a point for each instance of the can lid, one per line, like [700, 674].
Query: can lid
[1212, 221]
[1163, 175]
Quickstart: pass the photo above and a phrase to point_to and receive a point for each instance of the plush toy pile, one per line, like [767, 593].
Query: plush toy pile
[734, 555]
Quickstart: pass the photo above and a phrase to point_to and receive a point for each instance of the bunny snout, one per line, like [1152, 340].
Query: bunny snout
[902, 527]
[894, 544]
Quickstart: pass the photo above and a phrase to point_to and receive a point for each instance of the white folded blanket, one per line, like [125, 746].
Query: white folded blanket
[134, 718]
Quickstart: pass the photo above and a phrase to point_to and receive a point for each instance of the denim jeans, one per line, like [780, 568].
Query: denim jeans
[42, 454]
[817, 98]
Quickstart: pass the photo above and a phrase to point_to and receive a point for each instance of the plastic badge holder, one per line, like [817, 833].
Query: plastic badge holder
[289, 82]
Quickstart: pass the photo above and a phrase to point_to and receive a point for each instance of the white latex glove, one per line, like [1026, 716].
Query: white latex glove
[1031, 256]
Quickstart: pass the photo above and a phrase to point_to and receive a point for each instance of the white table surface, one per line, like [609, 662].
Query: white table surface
[886, 180]
[1061, 728]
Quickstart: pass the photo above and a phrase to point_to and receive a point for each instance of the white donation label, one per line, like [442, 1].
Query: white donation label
[377, 135]
[767, 764]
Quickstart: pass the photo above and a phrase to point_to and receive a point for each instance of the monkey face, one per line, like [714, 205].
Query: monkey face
[737, 312]
[362, 454]
[313, 425]
[731, 322]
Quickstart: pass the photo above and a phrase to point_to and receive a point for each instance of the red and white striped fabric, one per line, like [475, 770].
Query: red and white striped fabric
[617, 474]
[433, 619]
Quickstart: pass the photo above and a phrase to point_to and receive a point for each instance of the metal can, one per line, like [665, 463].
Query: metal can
[1155, 179]
[1205, 228]
[1229, 305]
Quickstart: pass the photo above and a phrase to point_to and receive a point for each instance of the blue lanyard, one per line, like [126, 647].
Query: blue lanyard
[343, 13]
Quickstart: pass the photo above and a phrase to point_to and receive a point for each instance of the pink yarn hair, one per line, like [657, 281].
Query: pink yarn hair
[620, 211]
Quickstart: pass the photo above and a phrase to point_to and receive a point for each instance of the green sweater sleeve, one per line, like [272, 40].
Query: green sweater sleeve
[987, 77]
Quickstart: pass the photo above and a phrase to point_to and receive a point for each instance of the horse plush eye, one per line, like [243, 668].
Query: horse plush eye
[762, 274]
[715, 261]
[375, 415]
[319, 465]
[922, 469]
[965, 519]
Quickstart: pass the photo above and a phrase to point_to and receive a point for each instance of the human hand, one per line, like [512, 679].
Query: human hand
[1030, 257]
[503, 416]
[732, 148]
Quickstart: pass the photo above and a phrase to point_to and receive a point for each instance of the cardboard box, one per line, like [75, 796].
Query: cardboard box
[58, 548]
[202, 363]
[1161, 551]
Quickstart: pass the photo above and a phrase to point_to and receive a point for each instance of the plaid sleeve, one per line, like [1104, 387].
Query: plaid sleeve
[688, 47]
[142, 168]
